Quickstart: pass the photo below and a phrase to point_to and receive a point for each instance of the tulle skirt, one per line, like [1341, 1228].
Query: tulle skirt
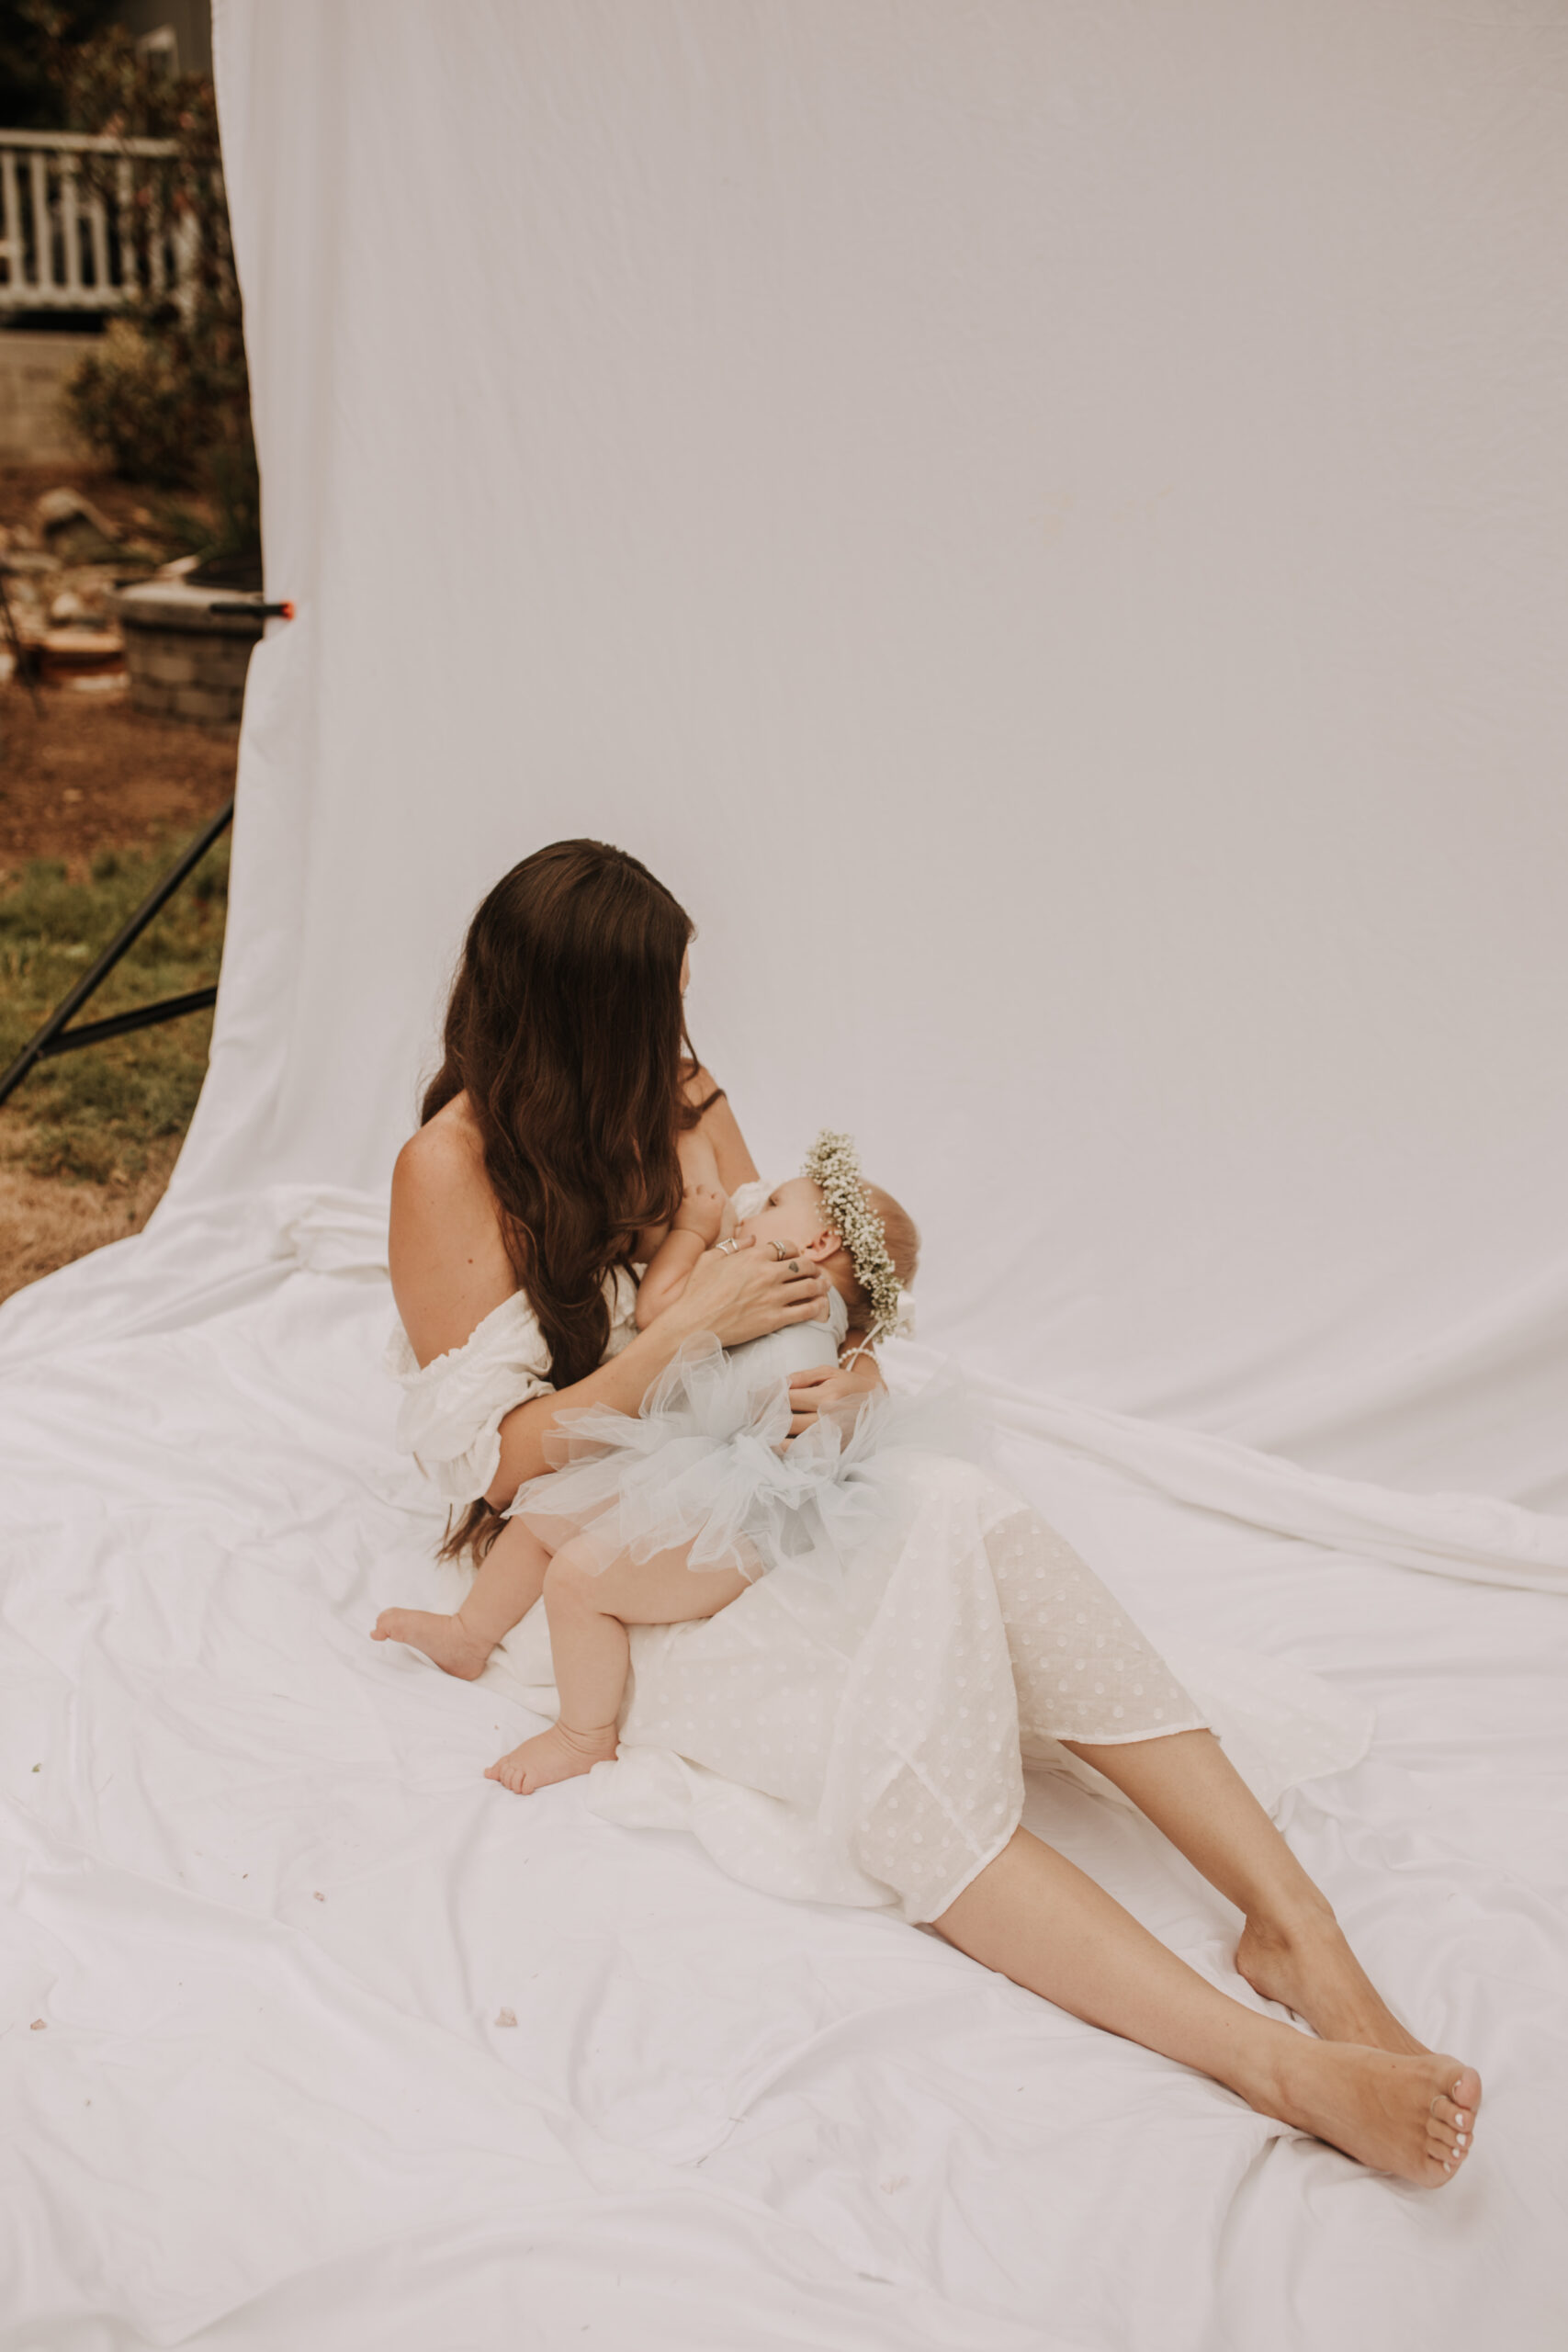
[703, 1464]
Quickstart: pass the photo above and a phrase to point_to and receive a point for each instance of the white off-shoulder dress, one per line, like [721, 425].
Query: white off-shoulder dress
[858, 1738]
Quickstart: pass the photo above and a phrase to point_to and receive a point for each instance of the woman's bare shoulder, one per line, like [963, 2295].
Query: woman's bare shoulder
[446, 1248]
[446, 1153]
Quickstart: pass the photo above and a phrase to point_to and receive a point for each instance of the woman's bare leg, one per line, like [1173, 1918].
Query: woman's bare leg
[1035, 1918]
[588, 1610]
[1293, 1949]
[509, 1580]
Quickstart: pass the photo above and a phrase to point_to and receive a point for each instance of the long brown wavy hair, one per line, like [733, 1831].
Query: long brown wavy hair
[567, 1032]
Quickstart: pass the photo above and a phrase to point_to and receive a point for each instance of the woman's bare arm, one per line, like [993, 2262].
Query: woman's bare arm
[450, 1269]
[736, 1298]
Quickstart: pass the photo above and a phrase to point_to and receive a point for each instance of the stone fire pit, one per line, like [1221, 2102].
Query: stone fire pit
[184, 659]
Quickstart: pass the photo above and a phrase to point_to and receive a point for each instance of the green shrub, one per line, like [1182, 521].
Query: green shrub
[127, 402]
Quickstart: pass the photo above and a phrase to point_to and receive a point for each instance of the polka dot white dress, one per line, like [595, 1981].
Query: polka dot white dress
[859, 1739]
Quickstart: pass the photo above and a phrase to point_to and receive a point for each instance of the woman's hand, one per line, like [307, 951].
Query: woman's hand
[821, 1385]
[741, 1292]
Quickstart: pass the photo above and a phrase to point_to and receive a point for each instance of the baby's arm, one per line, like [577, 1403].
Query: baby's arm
[698, 1223]
[699, 1165]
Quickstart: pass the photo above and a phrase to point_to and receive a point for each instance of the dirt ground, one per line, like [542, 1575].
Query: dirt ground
[47, 1221]
[87, 776]
[92, 773]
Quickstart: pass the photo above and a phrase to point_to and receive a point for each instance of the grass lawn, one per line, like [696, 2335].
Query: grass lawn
[87, 1141]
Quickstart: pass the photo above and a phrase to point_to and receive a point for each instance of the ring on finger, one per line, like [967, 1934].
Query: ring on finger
[779, 1252]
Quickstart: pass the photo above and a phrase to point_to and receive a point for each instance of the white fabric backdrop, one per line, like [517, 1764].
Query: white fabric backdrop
[1045, 524]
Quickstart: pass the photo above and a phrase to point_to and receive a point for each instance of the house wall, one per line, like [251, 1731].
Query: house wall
[191, 21]
[32, 367]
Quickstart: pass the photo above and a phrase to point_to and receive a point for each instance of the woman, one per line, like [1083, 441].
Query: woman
[548, 1146]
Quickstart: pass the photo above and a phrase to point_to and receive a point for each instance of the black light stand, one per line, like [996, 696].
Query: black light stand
[55, 1038]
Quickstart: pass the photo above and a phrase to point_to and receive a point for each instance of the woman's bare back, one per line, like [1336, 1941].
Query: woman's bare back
[447, 1255]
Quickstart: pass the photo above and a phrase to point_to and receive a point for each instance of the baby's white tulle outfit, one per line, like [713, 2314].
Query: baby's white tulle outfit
[853, 1727]
[704, 1466]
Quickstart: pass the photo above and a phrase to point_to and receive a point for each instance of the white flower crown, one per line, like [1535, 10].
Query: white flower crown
[833, 1165]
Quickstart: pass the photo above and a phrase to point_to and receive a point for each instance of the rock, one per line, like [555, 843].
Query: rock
[58, 507]
[71, 526]
[68, 653]
[84, 595]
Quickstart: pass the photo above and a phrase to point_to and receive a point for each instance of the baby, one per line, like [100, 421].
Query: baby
[667, 1516]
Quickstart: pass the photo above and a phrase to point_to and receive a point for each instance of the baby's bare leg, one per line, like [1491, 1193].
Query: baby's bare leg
[509, 1580]
[589, 1612]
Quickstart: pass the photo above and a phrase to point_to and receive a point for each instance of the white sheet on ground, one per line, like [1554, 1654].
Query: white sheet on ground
[1045, 524]
[273, 1921]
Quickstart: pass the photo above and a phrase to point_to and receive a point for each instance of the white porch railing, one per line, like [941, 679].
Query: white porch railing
[81, 236]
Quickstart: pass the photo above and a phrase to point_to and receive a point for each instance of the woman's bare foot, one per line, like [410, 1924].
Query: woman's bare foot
[1306, 1965]
[1412, 2116]
[446, 1640]
[554, 1755]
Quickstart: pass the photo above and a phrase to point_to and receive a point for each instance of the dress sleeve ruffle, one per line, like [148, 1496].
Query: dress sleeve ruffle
[453, 1407]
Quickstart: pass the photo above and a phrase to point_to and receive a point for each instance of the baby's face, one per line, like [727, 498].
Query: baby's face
[791, 1213]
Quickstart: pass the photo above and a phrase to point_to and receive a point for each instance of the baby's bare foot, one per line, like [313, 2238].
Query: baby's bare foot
[1412, 2116]
[1307, 1966]
[446, 1640]
[554, 1755]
